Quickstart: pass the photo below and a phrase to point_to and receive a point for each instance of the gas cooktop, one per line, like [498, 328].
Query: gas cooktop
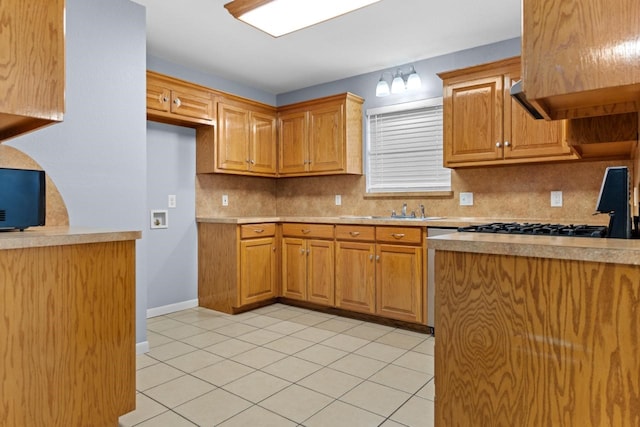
[539, 229]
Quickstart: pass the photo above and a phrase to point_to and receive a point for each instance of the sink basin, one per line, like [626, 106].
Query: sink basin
[394, 218]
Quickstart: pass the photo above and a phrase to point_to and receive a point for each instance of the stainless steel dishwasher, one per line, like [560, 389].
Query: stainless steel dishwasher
[431, 279]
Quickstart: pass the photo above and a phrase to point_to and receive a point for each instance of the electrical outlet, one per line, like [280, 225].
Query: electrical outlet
[171, 200]
[466, 199]
[338, 199]
[556, 199]
[225, 200]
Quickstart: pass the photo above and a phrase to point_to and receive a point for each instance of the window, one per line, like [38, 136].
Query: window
[404, 148]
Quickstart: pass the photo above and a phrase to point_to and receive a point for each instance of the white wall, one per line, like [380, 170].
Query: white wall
[97, 156]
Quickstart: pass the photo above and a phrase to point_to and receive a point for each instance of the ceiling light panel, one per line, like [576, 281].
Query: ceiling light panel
[280, 17]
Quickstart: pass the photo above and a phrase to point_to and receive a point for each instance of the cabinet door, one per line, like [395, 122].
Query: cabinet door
[158, 97]
[294, 268]
[320, 274]
[355, 273]
[258, 270]
[473, 120]
[293, 143]
[399, 282]
[191, 105]
[263, 143]
[526, 137]
[233, 138]
[326, 138]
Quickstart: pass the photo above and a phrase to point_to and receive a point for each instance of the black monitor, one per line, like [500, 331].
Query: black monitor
[614, 200]
[22, 198]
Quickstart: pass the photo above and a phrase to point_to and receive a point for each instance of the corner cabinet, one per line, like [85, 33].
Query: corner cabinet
[237, 266]
[32, 65]
[246, 139]
[321, 137]
[177, 102]
[483, 125]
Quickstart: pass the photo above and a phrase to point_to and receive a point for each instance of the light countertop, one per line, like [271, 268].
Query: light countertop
[57, 236]
[617, 251]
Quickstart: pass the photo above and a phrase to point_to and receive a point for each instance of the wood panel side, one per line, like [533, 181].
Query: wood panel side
[218, 266]
[533, 341]
[477, 377]
[68, 334]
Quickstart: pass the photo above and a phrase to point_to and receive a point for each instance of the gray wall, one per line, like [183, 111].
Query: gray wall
[172, 252]
[364, 85]
[97, 156]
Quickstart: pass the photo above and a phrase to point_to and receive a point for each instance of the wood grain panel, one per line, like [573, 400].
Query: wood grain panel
[68, 334]
[258, 274]
[249, 231]
[32, 65]
[399, 282]
[580, 57]
[263, 147]
[327, 138]
[533, 341]
[320, 231]
[294, 268]
[321, 272]
[218, 266]
[356, 232]
[292, 141]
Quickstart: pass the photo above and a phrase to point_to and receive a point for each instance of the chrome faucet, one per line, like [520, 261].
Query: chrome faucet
[422, 211]
[404, 209]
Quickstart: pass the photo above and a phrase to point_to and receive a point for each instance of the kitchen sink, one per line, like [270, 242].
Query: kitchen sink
[394, 218]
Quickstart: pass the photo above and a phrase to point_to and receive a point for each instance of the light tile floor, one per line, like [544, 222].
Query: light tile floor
[281, 366]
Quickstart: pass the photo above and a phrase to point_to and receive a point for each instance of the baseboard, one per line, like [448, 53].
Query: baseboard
[142, 347]
[171, 308]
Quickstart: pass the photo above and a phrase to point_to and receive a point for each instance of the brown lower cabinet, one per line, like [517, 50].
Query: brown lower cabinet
[308, 263]
[377, 270]
[237, 265]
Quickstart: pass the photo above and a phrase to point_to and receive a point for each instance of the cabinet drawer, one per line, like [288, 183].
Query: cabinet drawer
[198, 106]
[320, 231]
[257, 230]
[412, 235]
[355, 232]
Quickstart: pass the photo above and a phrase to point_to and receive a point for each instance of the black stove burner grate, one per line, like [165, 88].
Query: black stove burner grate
[580, 230]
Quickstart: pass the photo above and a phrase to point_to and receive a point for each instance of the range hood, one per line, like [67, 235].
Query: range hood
[518, 94]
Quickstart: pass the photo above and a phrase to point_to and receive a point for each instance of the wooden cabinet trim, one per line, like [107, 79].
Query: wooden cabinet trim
[320, 231]
[402, 235]
[249, 231]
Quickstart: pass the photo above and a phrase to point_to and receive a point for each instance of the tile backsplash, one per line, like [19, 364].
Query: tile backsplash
[519, 191]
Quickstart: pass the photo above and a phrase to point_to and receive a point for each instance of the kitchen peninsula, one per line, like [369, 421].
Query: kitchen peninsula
[536, 330]
[68, 326]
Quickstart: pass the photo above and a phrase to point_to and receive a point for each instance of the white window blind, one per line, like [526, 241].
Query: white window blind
[404, 148]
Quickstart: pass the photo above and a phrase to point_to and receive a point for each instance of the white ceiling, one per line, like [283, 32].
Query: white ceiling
[202, 35]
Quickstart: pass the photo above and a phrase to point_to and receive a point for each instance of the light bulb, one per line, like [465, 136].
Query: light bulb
[413, 81]
[397, 85]
[382, 89]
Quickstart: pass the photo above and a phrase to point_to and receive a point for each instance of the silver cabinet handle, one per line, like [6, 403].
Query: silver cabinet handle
[507, 144]
[164, 99]
[177, 102]
[498, 144]
[302, 251]
[397, 235]
[377, 257]
[308, 251]
[274, 248]
[258, 230]
[354, 233]
[370, 257]
[307, 231]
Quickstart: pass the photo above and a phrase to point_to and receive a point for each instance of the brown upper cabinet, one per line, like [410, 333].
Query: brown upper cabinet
[32, 75]
[246, 139]
[483, 125]
[321, 137]
[580, 57]
[177, 102]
